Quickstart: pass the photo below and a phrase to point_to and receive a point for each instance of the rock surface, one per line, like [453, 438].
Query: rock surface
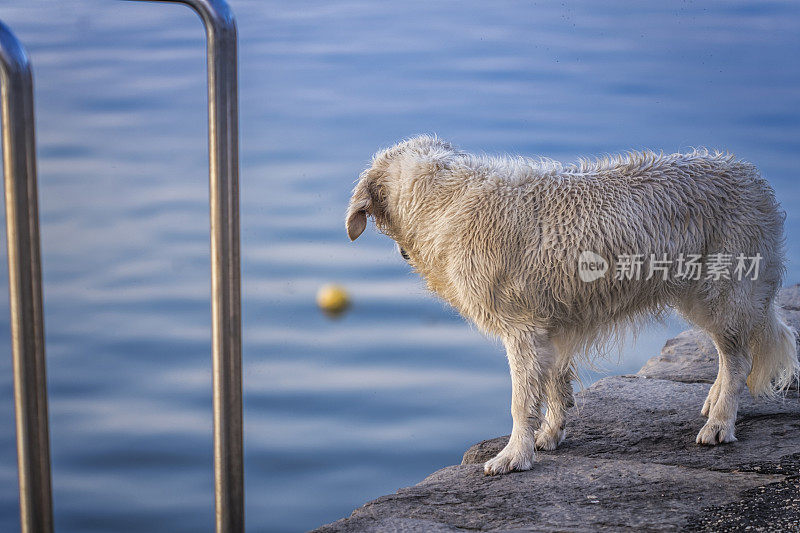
[629, 463]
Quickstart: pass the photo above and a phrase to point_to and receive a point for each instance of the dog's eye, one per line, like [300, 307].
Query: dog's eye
[404, 254]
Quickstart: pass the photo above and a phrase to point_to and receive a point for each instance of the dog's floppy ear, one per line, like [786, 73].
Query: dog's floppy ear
[356, 223]
[360, 207]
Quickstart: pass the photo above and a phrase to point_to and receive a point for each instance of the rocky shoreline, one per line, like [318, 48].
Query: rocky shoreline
[629, 463]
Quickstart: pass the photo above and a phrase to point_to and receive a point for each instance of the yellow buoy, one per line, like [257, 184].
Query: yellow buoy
[332, 299]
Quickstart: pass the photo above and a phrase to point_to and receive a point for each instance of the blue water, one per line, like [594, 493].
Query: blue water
[337, 411]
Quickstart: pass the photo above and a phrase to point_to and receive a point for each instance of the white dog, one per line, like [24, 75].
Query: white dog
[555, 258]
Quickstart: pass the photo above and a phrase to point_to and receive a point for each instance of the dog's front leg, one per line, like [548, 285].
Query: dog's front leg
[531, 357]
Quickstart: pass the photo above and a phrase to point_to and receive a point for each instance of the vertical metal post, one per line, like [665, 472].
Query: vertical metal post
[223, 142]
[25, 286]
[223, 149]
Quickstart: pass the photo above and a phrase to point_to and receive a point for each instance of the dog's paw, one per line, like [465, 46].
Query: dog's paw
[514, 457]
[716, 432]
[549, 440]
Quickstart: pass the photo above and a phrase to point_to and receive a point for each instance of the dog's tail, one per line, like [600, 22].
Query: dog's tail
[775, 363]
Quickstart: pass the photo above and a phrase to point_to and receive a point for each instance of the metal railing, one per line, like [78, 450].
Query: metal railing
[25, 273]
[25, 286]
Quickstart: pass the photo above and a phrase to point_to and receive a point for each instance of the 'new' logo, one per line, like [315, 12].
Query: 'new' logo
[591, 266]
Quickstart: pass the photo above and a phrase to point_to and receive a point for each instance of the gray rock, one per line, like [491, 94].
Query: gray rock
[789, 300]
[690, 357]
[581, 494]
[629, 463]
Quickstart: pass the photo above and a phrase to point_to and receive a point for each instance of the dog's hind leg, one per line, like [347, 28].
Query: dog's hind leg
[728, 312]
[531, 358]
[723, 398]
[558, 395]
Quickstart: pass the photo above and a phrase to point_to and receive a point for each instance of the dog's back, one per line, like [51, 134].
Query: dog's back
[508, 233]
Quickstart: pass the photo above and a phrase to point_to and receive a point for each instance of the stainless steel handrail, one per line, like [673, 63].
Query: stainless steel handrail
[223, 143]
[25, 286]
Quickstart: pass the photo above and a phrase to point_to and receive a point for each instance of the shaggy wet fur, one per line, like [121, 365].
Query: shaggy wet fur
[499, 239]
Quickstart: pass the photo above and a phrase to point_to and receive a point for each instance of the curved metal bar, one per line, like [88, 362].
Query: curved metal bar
[223, 141]
[25, 286]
